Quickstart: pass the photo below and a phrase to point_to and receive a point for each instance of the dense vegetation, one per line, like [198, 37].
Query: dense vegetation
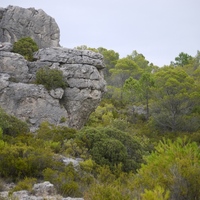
[142, 142]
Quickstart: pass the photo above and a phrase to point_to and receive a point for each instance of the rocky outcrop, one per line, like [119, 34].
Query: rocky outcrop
[19, 96]
[82, 71]
[40, 191]
[17, 22]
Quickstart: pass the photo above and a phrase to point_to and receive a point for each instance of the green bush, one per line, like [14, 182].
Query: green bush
[174, 167]
[64, 181]
[50, 132]
[110, 146]
[50, 78]
[25, 156]
[26, 47]
[102, 192]
[11, 125]
[25, 184]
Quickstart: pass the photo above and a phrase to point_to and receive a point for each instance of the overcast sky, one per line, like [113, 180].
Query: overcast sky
[159, 29]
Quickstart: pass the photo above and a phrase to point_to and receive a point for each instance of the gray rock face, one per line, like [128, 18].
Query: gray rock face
[82, 71]
[40, 191]
[19, 96]
[44, 189]
[15, 65]
[6, 46]
[17, 22]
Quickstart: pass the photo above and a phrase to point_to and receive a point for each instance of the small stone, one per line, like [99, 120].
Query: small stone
[57, 93]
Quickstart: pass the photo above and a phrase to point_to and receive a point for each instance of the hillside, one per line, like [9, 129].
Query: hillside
[140, 142]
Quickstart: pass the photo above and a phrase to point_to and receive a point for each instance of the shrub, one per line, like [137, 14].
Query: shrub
[110, 146]
[11, 125]
[50, 132]
[64, 181]
[25, 184]
[102, 192]
[50, 78]
[25, 46]
[174, 167]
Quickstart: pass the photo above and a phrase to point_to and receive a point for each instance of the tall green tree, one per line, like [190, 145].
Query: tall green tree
[146, 82]
[139, 59]
[110, 59]
[140, 90]
[182, 59]
[124, 69]
[175, 97]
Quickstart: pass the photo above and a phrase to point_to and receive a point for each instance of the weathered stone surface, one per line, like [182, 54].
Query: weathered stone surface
[57, 93]
[6, 46]
[82, 72]
[17, 22]
[15, 65]
[70, 56]
[31, 103]
[40, 191]
[34, 104]
[44, 189]
[74, 162]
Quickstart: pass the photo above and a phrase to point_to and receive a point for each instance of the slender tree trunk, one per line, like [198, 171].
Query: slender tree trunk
[147, 105]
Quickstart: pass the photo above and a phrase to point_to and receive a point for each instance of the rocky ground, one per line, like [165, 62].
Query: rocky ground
[40, 191]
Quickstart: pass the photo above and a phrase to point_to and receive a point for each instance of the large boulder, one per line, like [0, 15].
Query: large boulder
[82, 71]
[17, 22]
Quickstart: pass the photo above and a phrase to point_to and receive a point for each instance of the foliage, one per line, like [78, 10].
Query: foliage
[64, 181]
[25, 184]
[175, 98]
[124, 68]
[109, 146]
[140, 60]
[26, 47]
[85, 47]
[123, 154]
[110, 59]
[50, 78]
[156, 194]
[140, 90]
[182, 59]
[105, 192]
[11, 125]
[54, 133]
[103, 115]
[21, 160]
[174, 167]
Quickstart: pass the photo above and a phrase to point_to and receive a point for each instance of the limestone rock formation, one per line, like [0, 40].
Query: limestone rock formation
[17, 22]
[82, 71]
[6, 46]
[19, 96]
[40, 191]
